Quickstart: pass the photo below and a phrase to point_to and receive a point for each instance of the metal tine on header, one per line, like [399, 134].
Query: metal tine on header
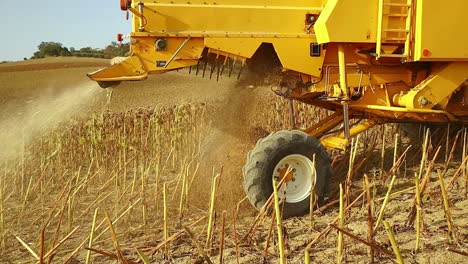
[224, 64]
[240, 71]
[218, 71]
[213, 67]
[204, 66]
[218, 68]
[198, 67]
[218, 64]
[232, 67]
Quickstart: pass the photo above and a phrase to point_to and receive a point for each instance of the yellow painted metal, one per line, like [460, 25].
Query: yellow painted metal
[325, 124]
[360, 127]
[135, 12]
[131, 69]
[342, 69]
[437, 89]
[394, 24]
[338, 140]
[145, 57]
[333, 142]
[427, 115]
[408, 27]
[347, 21]
[380, 15]
[294, 56]
[441, 30]
[228, 17]
[243, 47]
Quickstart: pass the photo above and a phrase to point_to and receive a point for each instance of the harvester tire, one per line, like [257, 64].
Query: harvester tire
[271, 154]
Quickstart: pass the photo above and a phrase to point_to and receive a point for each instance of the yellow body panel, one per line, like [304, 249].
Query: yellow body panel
[441, 30]
[295, 57]
[249, 18]
[348, 21]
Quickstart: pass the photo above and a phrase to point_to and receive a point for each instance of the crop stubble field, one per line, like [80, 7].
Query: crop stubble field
[79, 162]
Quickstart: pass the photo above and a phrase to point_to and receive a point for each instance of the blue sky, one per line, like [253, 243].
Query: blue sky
[74, 23]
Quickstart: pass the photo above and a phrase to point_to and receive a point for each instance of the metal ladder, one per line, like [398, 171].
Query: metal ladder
[382, 31]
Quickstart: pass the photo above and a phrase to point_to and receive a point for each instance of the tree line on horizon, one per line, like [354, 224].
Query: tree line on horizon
[56, 49]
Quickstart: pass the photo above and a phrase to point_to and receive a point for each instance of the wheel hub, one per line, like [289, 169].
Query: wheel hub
[299, 177]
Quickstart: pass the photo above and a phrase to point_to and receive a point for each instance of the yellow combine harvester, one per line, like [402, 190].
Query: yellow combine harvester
[374, 60]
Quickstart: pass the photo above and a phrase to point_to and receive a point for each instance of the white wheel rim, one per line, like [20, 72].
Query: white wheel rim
[298, 188]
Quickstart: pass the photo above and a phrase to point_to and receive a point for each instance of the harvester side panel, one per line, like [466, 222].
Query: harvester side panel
[254, 19]
[441, 30]
[350, 21]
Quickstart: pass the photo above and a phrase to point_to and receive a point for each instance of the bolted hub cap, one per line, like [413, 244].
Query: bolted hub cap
[298, 171]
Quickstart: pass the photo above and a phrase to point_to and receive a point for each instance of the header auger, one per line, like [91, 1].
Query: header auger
[378, 61]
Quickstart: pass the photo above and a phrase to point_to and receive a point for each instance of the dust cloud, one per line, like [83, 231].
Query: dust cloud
[41, 114]
[227, 139]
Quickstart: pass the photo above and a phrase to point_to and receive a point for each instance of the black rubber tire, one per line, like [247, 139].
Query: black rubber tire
[261, 161]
